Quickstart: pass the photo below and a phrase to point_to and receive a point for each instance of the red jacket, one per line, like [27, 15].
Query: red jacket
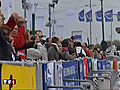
[20, 39]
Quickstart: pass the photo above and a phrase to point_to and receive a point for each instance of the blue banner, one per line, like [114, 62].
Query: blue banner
[109, 16]
[81, 16]
[99, 65]
[99, 16]
[44, 67]
[78, 37]
[89, 65]
[81, 70]
[118, 16]
[70, 71]
[89, 16]
[108, 65]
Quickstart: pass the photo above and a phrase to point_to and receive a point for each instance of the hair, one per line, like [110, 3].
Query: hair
[27, 35]
[65, 43]
[55, 39]
[72, 37]
[78, 44]
[38, 31]
[47, 39]
[31, 32]
[3, 27]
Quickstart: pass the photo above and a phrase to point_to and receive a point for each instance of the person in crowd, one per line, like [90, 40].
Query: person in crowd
[65, 54]
[73, 40]
[37, 53]
[20, 39]
[48, 43]
[60, 51]
[102, 55]
[40, 35]
[6, 41]
[72, 51]
[95, 53]
[53, 51]
[84, 46]
[80, 51]
[5, 45]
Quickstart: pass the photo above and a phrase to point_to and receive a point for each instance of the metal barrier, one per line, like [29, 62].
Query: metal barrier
[64, 75]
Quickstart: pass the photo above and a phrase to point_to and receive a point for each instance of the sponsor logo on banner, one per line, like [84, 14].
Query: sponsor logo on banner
[9, 82]
[70, 71]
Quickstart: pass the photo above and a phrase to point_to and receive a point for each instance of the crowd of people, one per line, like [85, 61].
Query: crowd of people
[21, 45]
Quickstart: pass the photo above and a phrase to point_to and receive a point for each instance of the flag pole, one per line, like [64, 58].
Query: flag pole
[102, 20]
[90, 27]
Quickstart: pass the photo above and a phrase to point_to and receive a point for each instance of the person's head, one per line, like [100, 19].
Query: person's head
[14, 31]
[48, 40]
[73, 38]
[39, 34]
[65, 43]
[56, 40]
[78, 44]
[71, 43]
[28, 35]
[60, 48]
[6, 30]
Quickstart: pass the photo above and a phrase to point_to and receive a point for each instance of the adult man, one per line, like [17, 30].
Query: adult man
[39, 34]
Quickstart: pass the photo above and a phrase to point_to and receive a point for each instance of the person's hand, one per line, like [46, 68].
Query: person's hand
[14, 16]
[11, 39]
[20, 20]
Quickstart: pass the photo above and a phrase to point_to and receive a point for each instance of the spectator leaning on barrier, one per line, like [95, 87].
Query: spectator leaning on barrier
[39, 52]
[80, 51]
[65, 54]
[53, 51]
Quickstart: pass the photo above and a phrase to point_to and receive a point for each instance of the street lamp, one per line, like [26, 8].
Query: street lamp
[49, 24]
[90, 21]
[102, 20]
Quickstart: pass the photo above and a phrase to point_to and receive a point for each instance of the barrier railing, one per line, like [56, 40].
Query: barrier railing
[81, 74]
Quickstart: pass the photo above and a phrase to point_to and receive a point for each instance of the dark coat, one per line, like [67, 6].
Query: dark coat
[53, 53]
[5, 48]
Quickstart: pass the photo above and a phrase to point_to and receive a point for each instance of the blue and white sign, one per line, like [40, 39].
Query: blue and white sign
[44, 67]
[70, 71]
[50, 74]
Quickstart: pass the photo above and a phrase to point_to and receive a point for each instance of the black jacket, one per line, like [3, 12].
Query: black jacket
[5, 48]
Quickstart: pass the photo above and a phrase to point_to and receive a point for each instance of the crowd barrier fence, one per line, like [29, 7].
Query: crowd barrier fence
[79, 74]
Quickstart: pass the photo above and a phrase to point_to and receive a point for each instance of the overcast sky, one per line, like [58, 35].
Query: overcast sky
[66, 13]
